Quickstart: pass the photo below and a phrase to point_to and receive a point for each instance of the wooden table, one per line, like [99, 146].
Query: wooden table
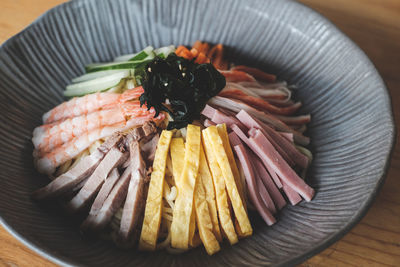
[375, 26]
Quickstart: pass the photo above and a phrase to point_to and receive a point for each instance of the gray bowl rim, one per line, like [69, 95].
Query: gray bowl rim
[64, 261]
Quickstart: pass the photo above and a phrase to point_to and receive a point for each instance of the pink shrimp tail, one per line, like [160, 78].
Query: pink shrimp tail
[131, 94]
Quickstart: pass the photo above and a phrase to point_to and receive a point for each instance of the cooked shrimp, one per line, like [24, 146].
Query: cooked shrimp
[89, 103]
[48, 162]
[50, 136]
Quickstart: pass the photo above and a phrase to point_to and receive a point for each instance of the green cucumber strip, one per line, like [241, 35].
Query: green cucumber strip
[94, 75]
[96, 85]
[163, 52]
[115, 66]
[146, 53]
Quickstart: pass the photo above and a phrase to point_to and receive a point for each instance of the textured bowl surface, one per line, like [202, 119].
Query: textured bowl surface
[351, 129]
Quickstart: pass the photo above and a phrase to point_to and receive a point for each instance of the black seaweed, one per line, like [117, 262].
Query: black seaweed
[187, 85]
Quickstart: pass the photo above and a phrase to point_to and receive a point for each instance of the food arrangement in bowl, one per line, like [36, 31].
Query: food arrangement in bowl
[171, 148]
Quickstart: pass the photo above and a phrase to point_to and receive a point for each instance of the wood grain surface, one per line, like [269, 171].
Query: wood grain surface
[375, 26]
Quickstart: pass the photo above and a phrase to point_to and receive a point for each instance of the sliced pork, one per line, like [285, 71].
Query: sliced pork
[115, 157]
[112, 203]
[135, 200]
[101, 197]
[77, 174]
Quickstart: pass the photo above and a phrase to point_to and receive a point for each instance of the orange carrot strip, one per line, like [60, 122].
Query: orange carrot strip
[194, 52]
[258, 74]
[179, 49]
[197, 45]
[201, 58]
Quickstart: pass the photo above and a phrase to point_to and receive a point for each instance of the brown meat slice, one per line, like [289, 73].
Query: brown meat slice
[148, 148]
[135, 199]
[77, 174]
[101, 197]
[115, 157]
[113, 202]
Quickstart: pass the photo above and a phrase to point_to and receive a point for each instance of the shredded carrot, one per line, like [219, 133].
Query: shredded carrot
[256, 73]
[201, 58]
[216, 54]
[205, 48]
[197, 45]
[179, 49]
[194, 52]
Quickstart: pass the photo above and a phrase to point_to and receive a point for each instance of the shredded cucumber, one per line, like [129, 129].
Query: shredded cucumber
[145, 54]
[164, 51]
[95, 75]
[96, 85]
[115, 66]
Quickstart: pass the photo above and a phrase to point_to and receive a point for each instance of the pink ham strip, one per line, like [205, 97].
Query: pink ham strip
[280, 150]
[292, 195]
[269, 197]
[251, 185]
[208, 123]
[276, 195]
[234, 139]
[219, 117]
[274, 177]
[238, 133]
[237, 106]
[288, 147]
[208, 111]
[266, 198]
[267, 153]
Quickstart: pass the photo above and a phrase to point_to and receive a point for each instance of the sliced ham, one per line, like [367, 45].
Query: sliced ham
[115, 157]
[254, 194]
[273, 191]
[280, 149]
[208, 123]
[293, 197]
[237, 106]
[218, 117]
[135, 200]
[269, 156]
[269, 203]
[274, 176]
[67, 181]
[279, 142]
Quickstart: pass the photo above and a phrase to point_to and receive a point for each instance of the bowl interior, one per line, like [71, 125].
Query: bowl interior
[351, 128]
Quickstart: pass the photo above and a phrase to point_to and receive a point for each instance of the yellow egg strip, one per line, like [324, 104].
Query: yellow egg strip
[203, 218]
[234, 196]
[152, 214]
[180, 227]
[219, 185]
[223, 133]
[207, 180]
